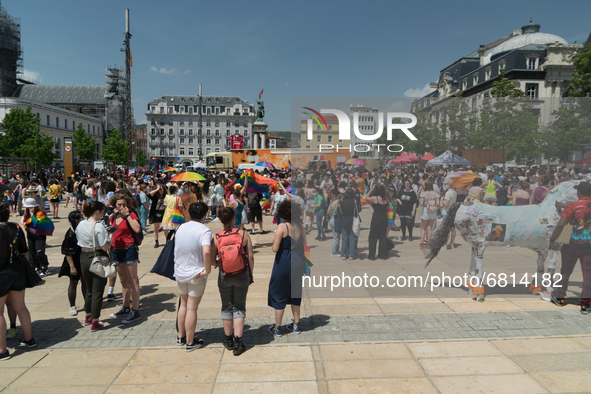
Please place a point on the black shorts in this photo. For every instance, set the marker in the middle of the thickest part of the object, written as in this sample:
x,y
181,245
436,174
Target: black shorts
x,y
12,278
54,200
158,216
255,214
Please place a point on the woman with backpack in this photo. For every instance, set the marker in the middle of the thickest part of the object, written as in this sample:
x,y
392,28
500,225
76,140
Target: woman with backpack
x,y
428,201
232,248
125,227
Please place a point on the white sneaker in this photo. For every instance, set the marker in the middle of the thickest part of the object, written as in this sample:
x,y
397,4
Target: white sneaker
x,y
73,311
216,220
335,255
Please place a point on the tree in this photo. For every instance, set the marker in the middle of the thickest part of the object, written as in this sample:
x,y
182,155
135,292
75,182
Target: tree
x,y
509,120
115,148
140,158
429,137
84,144
580,81
23,138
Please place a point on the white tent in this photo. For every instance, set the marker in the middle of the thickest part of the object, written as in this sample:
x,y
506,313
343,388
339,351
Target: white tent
x,y
448,158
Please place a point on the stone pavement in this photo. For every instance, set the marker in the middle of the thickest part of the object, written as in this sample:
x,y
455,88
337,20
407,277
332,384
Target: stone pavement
x,y
512,342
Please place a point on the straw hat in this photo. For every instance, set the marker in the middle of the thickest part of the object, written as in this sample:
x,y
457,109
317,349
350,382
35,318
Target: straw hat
x,y
31,189
30,203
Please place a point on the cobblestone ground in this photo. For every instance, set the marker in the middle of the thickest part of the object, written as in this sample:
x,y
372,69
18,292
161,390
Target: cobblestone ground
x,y
512,342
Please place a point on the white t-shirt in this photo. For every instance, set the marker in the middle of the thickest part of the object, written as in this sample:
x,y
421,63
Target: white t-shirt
x,y
84,234
188,255
451,196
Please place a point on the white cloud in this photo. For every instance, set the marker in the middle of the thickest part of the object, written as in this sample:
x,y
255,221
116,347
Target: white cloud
x,y
169,71
32,75
418,92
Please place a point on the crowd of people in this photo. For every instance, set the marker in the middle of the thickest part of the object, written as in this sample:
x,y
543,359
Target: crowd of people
x,y
114,209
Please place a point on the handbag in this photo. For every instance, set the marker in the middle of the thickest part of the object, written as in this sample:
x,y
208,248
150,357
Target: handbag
x,y
564,237
101,265
32,279
356,223
165,263
244,216
177,216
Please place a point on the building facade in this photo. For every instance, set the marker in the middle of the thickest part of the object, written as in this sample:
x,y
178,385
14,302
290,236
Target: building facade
x,y
321,136
57,122
140,141
539,64
186,128
368,125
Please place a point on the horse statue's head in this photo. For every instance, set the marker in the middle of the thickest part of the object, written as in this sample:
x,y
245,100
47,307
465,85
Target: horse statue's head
x,y
564,192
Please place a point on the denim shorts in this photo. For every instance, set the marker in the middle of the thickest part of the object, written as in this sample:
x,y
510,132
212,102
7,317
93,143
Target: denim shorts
x,y
124,256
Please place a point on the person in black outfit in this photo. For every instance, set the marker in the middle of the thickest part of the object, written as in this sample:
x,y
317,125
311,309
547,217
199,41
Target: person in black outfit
x,y
379,221
69,190
12,279
71,263
407,204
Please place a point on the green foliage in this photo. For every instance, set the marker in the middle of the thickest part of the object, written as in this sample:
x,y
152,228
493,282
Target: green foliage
x,y
580,82
84,144
140,158
115,148
23,138
429,137
568,131
505,87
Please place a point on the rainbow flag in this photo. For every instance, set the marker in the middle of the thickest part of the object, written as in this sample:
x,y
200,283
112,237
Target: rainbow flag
x,y
391,217
39,224
255,183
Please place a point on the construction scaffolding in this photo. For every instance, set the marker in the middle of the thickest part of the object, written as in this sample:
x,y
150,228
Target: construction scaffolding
x,y
10,52
117,95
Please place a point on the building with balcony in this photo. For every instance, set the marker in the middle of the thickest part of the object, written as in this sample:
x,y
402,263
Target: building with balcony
x,y
184,129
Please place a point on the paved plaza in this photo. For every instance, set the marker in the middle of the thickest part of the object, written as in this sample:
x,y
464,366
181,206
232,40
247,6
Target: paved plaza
x,y
352,341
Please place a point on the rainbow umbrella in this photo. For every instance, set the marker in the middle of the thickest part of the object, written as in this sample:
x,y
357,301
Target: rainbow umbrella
x,y
267,164
187,177
170,169
355,162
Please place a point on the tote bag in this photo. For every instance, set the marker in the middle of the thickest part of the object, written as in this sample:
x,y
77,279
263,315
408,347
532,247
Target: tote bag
x,y
356,223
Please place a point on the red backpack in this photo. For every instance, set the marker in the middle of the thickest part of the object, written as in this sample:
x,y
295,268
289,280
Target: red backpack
x,y
232,257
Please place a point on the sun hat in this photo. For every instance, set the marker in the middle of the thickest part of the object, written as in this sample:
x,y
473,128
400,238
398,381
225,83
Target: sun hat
x,y
448,182
30,203
31,189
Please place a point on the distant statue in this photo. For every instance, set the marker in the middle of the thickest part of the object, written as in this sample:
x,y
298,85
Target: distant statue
x,y
260,111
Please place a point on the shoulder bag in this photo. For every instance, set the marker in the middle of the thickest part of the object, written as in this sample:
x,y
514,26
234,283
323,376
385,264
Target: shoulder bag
x,y
356,222
564,236
32,279
101,265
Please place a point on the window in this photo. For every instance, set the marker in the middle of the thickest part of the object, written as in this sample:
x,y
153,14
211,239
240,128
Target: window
x,y
191,140
246,123
153,139
153,150
487,73
329,138
161,131
182,132
217,133
208,123
198,132
181,141
199,151
308,146
208,141
170,110
48,123
474,80
170,132
464,84
161,110
209,111
190,131
246,143
190,151
182,123
217,141
162,152
153,109
330,127
208,132
207,150
246,133
216,149
502,66
531,90
57,122
217,123
170,122
153,131
318,138
153,122
161,122
191,123
191,109
228,123
236,123
227,133
170,140
171,151
532,62
182,151
199,141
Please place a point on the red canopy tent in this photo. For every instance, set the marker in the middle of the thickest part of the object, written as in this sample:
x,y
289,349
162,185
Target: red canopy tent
x,y
411,158
584,161
398,159
428,157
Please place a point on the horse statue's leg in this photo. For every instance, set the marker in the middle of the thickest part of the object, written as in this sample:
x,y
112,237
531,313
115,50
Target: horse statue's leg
x,y
476,273
551,270
536,285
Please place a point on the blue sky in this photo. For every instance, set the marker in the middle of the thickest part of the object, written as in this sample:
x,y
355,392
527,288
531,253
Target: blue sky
x,y
289,48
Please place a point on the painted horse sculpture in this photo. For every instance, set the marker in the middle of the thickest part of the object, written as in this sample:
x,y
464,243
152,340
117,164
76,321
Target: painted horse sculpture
x,y
528,226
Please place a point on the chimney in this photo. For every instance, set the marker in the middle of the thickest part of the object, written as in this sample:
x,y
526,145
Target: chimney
x,y
481,54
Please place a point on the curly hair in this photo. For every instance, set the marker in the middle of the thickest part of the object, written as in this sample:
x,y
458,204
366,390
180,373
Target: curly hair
x,y
129,200
289,211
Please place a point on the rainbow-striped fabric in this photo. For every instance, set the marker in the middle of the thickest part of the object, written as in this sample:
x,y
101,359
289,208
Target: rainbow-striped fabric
x,y
256,183
391,216
39,224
